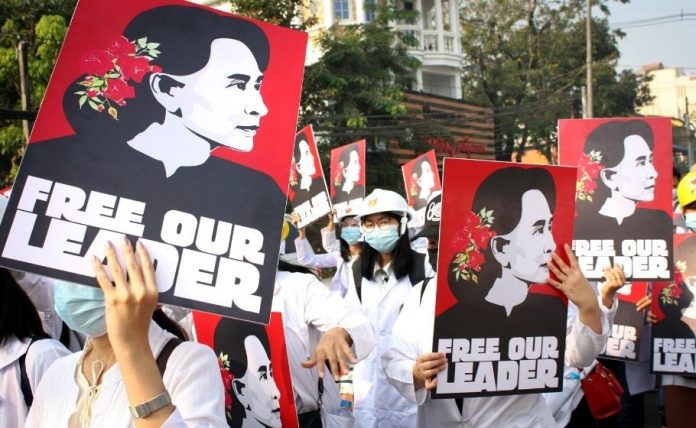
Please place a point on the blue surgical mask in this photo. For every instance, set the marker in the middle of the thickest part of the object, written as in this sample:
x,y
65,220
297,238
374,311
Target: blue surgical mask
x,y
690,220
383,241
351,234
81,307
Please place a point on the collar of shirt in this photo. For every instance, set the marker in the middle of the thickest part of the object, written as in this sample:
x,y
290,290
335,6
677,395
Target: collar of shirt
x,y
381,275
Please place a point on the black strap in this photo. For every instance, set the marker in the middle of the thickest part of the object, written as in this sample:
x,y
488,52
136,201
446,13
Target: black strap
x,y
416,275
65,335
166,352
24,384
425,284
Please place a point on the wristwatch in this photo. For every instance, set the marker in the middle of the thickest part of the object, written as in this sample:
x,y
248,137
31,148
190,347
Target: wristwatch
x,y
151,406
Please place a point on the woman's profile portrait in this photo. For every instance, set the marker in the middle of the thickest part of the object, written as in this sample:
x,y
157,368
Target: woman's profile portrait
x,y
303,182
348,175
252,398
504,247
171,113
424,178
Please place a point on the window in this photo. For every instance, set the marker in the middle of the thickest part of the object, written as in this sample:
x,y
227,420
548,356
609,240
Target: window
x,y
341,9
370,10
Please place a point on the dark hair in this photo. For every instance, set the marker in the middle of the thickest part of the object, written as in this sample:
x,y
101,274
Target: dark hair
x,y
608,139
296,150
418,168
501,192
185,35
345,155
401,261
168,324
18,316
229,339
284,266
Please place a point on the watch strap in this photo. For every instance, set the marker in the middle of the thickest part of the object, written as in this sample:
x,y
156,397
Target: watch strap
x,y
151,406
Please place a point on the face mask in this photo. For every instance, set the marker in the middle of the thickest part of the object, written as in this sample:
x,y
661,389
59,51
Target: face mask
x,y
351,234
81,307
690,220
432,258
383,241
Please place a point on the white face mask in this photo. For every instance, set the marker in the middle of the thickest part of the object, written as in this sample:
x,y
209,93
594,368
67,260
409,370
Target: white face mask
x,y
81,307
383,240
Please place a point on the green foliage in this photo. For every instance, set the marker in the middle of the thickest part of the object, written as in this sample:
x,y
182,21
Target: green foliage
x,y
287,13
527,59
356,89
42,24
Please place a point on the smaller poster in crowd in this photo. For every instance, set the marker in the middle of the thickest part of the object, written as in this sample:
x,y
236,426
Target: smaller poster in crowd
x,y
625,339
674,306
308,195
421,181
623,194
254,367
500,224
348,177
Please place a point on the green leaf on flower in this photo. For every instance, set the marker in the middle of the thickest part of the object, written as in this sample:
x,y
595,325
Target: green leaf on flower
x,y
83,98
94,105
151,46
142,42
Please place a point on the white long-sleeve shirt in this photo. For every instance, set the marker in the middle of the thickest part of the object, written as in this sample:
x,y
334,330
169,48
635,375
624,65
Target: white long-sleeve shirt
x,y
39,357
413,336
310,309
192,379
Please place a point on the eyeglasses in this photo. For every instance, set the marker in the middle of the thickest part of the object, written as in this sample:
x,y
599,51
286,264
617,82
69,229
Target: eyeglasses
x,y
348,223
383,224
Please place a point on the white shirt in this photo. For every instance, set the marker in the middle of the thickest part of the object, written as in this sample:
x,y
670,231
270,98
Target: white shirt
x,y
307,257
192,379
309,309
413,336
39,357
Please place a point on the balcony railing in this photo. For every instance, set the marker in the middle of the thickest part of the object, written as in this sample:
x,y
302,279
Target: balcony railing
x,y
428,40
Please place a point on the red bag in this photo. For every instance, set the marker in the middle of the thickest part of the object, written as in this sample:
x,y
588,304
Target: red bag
x,y
602,392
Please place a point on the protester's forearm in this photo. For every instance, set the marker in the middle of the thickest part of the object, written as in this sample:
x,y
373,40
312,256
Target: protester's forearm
x,y
590,315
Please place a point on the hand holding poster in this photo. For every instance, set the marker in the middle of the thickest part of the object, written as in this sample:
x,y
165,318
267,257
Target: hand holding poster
x,y
308,195
348,177
162,124
674,306
421,181
624,342
500,224
623,194
254,367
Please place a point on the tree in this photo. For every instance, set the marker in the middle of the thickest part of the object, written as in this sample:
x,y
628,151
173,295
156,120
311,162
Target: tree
x,y
526,58
42,24
286,13
356,89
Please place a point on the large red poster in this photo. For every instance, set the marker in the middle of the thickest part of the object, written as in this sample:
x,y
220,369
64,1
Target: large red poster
x,y
500,223
254,367
623,194
172,124
347,182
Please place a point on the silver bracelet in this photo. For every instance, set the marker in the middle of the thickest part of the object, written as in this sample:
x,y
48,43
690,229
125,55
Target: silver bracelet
x,y
151,406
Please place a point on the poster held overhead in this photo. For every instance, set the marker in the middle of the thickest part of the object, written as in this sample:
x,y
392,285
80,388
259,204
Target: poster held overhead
x,y
624,201
347,177
673,348
172,124
421,181
308,196
500,224
253,361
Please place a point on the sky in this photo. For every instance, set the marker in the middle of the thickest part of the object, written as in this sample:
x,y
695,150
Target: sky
x,y
673,44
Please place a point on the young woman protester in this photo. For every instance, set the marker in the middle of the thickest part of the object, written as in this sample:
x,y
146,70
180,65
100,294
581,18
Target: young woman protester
x,y
26,352
349,248
132,372
379,282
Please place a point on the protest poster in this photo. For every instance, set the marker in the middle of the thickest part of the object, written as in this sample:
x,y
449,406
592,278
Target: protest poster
x,y
308,195
347,177
253,362
623,194
500,223
625,339
172,124
421,181
673,336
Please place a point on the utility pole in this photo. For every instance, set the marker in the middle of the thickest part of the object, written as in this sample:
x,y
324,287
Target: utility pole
x,y
588,27
25,91
687,122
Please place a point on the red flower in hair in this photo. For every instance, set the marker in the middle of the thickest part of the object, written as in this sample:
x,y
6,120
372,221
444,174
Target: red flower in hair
x,y
96,62
589,167
469,242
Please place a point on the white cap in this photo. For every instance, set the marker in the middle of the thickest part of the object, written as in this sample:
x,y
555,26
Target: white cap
x,y
380,201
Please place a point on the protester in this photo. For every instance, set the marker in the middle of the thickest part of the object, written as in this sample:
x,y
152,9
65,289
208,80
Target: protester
x,y
379,282
411,367
123,365
320,324
350,246
26,352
